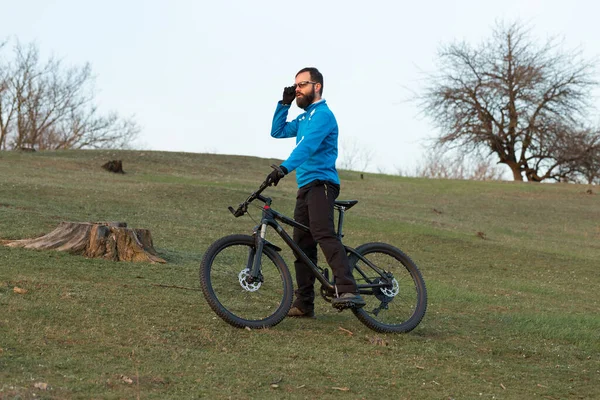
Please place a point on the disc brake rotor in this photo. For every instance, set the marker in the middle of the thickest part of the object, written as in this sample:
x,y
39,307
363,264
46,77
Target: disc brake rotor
x,y
386,294
248,286
393,291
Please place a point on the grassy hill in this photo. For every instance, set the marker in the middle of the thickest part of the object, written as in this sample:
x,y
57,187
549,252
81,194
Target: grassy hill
x,y
512,271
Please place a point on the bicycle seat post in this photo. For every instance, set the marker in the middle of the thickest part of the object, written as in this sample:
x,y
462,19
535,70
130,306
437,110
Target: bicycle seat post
x,y
341,211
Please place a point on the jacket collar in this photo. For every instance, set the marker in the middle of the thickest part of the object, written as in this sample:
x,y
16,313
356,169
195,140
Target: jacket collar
x,y
314,105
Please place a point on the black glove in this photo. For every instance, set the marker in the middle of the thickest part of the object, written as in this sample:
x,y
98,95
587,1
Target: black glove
x,y
289,94
275,175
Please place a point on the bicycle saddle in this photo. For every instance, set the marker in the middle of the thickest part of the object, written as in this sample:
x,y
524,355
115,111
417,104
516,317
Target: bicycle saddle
x,y
345,203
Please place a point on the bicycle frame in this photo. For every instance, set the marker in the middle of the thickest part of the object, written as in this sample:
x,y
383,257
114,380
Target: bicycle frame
x,y
270,218
395,276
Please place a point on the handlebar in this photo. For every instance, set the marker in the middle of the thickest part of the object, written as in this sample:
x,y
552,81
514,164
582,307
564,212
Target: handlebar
x,y
243,207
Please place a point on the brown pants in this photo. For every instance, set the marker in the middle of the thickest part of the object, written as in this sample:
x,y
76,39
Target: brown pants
x,y
314,208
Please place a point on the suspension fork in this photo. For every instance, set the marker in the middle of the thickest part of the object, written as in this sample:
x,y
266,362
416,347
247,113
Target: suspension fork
x,y
259,240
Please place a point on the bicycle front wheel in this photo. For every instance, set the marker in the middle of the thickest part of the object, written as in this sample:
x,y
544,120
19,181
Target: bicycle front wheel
x,y
233,295
399,306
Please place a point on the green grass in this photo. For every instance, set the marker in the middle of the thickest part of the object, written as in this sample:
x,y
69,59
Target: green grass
x,y
511,316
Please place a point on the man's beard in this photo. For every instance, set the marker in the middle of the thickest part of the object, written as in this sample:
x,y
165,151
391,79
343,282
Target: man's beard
x,y
306,100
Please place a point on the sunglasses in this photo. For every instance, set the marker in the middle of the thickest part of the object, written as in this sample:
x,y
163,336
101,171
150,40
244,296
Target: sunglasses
x,y
303,84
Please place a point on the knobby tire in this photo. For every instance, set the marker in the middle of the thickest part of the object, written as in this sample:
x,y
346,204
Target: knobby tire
x,y
407,308
219,278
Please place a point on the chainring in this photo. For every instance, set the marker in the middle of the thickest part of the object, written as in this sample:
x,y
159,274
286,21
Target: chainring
x,y
327,295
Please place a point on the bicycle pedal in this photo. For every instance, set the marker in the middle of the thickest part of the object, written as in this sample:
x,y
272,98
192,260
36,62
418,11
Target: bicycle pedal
x,y
343,306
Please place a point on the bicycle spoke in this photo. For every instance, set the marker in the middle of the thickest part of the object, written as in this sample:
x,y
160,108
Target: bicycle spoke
x,y
399,304
234,295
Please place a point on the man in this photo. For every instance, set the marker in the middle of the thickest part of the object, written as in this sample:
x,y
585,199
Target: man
x,y
313,158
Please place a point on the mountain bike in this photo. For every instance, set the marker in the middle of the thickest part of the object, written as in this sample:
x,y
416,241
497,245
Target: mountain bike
x,y
247,283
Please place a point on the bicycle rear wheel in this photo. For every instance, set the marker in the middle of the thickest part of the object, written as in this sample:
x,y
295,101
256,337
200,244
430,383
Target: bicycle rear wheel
x,y
397,307
224,276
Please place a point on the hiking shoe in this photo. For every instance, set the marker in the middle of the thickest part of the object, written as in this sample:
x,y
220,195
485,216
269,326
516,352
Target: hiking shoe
x,y
298,313
348,300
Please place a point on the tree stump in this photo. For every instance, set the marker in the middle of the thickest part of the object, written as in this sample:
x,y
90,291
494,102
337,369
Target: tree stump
x,y
108,240
115,166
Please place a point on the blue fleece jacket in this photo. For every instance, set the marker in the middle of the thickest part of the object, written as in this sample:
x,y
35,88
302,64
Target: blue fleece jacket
x,y
316,133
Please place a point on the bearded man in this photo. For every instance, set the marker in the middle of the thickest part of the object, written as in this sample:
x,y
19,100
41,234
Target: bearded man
x,y
313,158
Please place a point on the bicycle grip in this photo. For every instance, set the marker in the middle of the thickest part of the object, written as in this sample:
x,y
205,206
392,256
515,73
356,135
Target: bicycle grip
x,y
239,212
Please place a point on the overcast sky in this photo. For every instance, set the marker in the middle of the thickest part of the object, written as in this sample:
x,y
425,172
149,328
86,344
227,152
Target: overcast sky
x,y
205,76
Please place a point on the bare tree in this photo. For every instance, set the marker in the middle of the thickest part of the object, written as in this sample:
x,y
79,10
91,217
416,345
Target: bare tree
x,y
521,102
354,155
6,101
581,155
44,105
440,164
